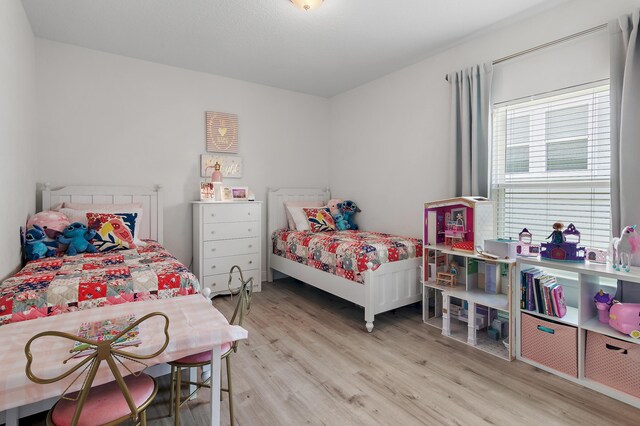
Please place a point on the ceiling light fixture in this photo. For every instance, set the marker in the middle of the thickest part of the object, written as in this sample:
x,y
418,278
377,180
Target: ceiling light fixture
x,y
307,4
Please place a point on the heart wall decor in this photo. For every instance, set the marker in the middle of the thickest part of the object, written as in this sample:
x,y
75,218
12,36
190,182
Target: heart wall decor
x,y
221,130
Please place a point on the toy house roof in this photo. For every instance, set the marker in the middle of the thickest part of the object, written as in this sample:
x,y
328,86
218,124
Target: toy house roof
x,y
467,201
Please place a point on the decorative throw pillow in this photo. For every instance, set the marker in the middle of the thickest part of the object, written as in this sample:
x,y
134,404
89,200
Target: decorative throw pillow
x,y
319,219
114,231
77,212
295,215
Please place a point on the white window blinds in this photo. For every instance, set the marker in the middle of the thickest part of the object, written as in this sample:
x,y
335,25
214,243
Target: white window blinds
x,y
551,163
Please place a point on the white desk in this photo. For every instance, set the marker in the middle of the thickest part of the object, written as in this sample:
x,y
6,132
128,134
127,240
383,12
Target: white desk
x,y
194,326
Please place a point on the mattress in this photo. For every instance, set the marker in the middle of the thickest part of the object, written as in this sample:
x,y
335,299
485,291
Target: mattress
x,y
344,253
54,286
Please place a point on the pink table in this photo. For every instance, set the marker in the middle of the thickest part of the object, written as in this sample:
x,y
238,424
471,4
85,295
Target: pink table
x,y
194,326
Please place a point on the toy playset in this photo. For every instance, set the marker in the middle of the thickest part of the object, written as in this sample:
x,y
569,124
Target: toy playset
x,y
450,277
559,248
525,246
603,303
625,317
460,223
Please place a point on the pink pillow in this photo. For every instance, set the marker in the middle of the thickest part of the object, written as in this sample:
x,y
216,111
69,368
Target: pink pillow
x,y
297,206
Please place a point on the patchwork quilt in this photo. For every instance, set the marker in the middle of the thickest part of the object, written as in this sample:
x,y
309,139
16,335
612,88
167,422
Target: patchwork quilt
x,y
57,285
344,253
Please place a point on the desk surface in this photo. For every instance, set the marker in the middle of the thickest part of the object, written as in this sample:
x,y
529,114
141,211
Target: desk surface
x,y
194,326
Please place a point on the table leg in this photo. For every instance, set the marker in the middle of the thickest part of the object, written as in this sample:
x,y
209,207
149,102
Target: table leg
x,y
215,386
11,416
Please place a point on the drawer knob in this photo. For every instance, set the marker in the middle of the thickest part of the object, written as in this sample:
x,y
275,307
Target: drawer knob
x,y
213,266
214,284
250,245
213,249
213,232
250,262
249,213
213,215
249,229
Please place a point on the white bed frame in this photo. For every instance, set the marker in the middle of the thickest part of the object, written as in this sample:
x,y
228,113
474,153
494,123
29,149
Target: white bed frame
x,y
150,198
391,286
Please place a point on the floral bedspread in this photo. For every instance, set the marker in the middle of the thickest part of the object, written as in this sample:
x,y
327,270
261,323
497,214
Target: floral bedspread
x,y
57,285
344,253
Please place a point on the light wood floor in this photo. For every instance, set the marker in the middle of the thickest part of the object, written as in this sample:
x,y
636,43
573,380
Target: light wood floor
x,y
309,360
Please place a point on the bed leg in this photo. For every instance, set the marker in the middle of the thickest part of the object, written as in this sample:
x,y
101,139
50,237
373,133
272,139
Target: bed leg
x,y
369,326
269,275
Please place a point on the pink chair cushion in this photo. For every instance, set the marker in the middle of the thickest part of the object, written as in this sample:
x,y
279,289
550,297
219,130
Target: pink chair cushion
x,y
105,403
203,356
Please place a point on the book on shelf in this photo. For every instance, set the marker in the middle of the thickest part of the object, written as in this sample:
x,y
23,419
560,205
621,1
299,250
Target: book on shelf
x,y
540,292
100,331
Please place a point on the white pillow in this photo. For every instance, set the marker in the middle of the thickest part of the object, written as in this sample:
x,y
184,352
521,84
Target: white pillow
x,y
297,214
81,216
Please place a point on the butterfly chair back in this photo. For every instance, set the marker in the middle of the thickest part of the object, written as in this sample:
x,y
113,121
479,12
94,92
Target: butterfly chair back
x,y
99,351
244,293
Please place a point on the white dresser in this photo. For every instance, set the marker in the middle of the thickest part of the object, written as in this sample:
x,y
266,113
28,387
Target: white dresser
x,y
227,234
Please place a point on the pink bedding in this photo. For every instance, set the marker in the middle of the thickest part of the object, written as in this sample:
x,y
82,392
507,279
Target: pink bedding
x,y
344,253
53,286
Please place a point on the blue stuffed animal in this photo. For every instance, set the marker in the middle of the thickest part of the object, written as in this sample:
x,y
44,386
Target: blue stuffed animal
x,y
341,224
34,245
77,236
348,208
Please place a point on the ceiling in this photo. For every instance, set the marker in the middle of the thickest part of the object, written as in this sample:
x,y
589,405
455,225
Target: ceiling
x,y
325,51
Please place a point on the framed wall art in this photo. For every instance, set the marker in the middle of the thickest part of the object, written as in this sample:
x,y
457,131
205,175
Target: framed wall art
x,y
221,131
230,165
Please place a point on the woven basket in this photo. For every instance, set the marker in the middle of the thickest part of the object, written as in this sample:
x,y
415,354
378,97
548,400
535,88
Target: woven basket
x,y
612,362
550,344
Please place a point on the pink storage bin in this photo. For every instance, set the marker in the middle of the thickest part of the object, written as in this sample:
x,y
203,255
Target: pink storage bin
x,y
611,362
550,344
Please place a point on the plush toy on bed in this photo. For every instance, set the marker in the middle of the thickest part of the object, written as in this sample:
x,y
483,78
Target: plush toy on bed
x,y
78,236
333,207
35,246
348,208
341,223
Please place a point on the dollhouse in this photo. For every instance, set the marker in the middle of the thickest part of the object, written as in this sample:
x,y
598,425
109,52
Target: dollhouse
x,y
460,223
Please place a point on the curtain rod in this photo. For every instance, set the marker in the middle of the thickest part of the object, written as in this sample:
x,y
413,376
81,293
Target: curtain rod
x,y
548,44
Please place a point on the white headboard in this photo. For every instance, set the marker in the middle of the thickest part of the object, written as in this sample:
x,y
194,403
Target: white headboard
x,y
151,199
276,197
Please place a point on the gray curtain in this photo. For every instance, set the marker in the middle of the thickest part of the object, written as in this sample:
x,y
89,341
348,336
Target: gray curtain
x,y
625,121
625,133
470,114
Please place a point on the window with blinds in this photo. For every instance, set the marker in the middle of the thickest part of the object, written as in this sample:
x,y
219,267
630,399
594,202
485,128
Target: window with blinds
x,y
551,163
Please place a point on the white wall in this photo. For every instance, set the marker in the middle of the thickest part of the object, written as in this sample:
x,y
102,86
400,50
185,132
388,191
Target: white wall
x,y
108,119
17,130
393,133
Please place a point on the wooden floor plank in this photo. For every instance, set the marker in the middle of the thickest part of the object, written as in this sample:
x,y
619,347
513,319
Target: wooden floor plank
x,y
309,360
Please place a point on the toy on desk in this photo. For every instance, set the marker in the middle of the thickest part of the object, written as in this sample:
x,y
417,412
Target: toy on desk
x,y
560,248
623,248
525,246
603,304
624,318
450,277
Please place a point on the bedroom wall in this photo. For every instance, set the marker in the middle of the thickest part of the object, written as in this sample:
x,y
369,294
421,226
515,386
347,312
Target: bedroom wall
x,y
17,130
108,119
393,133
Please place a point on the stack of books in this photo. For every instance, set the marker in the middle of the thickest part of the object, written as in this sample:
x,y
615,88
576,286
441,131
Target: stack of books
x,y
541,293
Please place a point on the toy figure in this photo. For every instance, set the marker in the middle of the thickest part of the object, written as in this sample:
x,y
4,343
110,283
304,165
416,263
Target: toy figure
x,y
603,304
623,248
51,222
78,236
557,237
35,246
348,208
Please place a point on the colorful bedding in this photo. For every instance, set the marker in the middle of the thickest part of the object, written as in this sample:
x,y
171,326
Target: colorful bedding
x,y
344,253
54,286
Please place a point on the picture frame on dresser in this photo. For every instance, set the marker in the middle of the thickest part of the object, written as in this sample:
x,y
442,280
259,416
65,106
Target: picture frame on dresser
x,y
227,234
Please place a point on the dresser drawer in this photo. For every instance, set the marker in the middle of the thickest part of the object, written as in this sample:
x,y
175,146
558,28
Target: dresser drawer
x,y
230,247
219,283
218,265
244,212
225,231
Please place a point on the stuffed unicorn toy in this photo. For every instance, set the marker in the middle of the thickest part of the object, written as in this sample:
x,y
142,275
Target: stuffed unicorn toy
x,y
623,248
